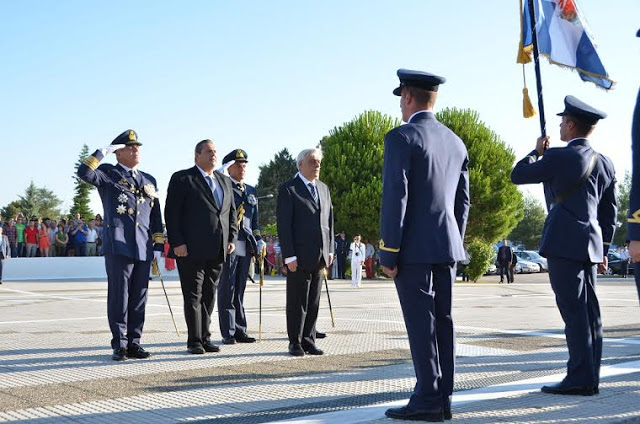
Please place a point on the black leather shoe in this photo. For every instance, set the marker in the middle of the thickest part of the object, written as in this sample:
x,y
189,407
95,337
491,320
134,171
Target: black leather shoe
x,y
562,389
245,339
210,347
195,350
229,340
137,351
405,413
119,354
320,335
313,350
296,350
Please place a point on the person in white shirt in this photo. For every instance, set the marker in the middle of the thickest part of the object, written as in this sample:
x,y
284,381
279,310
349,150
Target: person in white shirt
x,y
357,259
92,237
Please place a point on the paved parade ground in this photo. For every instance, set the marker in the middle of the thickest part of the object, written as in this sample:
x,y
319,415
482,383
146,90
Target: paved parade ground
x,y
55,362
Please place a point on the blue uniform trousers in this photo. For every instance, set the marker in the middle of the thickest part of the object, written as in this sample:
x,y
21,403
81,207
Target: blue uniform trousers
x,y
233,282
425,292
573,283
128,283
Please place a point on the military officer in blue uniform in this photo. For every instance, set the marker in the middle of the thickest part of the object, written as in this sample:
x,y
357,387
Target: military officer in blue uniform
x,y
233,281
132,237
425,205
579,186
633,220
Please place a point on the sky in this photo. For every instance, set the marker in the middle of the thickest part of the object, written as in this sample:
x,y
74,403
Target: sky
x,y
262,76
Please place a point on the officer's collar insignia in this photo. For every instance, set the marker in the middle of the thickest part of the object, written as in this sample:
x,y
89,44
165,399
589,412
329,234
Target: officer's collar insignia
x,y
252,200
150,191
132,135
239,154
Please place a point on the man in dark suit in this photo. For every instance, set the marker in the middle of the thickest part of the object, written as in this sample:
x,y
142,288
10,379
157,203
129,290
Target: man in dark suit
x,y
425,196
579,186
342,250
505,255
633,220
233,281
201,226
305,229
132,237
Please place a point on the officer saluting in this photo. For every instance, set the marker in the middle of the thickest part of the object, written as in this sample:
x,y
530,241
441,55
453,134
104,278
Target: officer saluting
x,y
579,186
131,238
233,281
425,197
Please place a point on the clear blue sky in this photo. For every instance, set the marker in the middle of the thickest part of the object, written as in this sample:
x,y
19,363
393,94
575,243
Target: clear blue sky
x,y
266,75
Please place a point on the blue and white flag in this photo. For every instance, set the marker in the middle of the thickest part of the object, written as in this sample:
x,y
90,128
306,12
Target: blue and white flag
x,y
564,38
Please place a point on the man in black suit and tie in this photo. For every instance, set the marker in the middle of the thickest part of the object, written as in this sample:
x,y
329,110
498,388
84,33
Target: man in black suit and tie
x,y
200,214
305,230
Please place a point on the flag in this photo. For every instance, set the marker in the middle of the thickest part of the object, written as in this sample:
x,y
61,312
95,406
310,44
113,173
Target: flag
x,y
564,38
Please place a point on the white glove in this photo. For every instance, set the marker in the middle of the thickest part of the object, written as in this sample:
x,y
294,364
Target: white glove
x,y
261,246
157,255
111,148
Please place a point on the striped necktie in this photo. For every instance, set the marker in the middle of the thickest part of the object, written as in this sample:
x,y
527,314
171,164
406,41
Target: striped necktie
x,y
314,193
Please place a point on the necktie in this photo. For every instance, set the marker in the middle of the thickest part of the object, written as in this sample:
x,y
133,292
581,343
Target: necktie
x,y
314,193
134,175
214,190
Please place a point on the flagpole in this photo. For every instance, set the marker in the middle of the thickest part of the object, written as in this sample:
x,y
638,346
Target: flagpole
x,y
536,59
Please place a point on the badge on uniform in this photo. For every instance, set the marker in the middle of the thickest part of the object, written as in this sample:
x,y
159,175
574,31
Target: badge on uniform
x,y
122,198
252,200
130,211
150,191
121,209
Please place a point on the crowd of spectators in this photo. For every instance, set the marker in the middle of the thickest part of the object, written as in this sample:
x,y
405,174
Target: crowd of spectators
x,y
44,237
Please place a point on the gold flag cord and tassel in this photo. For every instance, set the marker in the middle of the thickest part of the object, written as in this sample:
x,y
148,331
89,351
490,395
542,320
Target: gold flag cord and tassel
x,y
524,57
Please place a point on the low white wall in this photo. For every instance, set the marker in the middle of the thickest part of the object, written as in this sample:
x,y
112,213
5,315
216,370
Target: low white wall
x,y
73,268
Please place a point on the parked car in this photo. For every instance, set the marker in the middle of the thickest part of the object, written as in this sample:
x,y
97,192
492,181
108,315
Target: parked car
x,y
614,264
526,267
493,269
533,256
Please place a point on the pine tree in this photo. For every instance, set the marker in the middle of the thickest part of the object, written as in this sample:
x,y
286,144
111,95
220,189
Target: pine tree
x,y
280,169
82,189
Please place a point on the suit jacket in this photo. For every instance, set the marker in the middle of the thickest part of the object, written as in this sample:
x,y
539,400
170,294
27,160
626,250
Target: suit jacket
x,y
305,229
633,219
425,194
6,249
580,227
193,218
505,254
132,218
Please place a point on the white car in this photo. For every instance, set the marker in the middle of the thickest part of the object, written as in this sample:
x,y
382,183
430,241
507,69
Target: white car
x,y
533,256
526,267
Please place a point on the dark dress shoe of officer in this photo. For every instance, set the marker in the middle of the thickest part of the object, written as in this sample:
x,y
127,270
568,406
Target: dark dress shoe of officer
x,y
245,339
296,350
195,350
229,340
406,413
564,389
320,335
210,347
312,350
137,351
119,354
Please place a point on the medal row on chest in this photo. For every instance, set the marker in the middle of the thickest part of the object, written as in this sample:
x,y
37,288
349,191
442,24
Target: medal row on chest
x,y
139,194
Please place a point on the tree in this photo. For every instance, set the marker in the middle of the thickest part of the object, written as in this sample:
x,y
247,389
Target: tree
x,y
622,198
280,169
352,168
496,203
36,201
82,189
529,229
481,254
